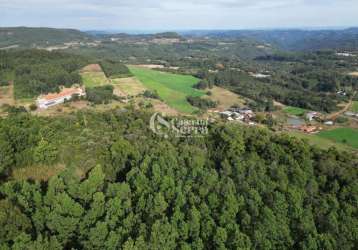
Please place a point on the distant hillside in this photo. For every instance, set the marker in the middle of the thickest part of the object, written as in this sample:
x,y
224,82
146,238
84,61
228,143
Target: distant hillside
x,y
295,40
32,37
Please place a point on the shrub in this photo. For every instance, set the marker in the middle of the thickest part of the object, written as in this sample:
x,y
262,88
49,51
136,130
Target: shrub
x,y
33,107
201,102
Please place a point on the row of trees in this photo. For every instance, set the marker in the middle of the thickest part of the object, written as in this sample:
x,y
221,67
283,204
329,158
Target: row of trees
x,y
236,188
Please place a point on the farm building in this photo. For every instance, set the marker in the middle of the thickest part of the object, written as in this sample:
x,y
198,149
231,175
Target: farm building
x,y
52,99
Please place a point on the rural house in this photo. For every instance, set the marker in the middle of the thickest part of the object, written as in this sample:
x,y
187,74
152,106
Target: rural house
x,y
51,99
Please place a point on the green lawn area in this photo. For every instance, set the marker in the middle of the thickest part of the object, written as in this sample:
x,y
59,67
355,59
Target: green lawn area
x,y
347,136
355,107
294,110
172,88
93,79
321,142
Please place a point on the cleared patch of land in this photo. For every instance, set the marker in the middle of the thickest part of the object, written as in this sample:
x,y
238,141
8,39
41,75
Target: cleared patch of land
x,y
93,79
92,68
7,95
37,173
163,108
129,86
93,75
149,66
347,136
320,142
353,73
173,89
225,98
294,110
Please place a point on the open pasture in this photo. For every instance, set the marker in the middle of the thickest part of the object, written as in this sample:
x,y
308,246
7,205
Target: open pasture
x,y
294,110
173,89
320,141
347,136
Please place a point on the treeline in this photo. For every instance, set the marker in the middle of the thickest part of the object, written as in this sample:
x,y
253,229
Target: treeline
x,y
100,94
37,72
115,69
201,103
266,90
236,188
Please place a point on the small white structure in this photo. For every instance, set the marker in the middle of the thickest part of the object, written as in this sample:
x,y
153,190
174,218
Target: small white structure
x,y
226,114
52,99
259,75
349,113
311,115
346,54
238,116
329,123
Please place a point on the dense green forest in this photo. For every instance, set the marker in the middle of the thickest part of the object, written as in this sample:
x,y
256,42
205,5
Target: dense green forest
x,y
236,188
292,39
37,71
32,37
306,80
115,69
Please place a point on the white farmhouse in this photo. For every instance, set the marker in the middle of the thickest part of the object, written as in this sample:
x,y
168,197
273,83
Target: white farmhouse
x,y
52,99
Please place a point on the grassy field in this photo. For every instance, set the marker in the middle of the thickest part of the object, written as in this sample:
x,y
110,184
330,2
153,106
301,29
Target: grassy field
x,y
93,79
320,141
93,75
130,86
172,88
355,107
225,98
347,136
37,173
294,110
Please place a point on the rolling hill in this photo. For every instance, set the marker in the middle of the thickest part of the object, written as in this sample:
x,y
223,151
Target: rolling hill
x,y
32,37
293,39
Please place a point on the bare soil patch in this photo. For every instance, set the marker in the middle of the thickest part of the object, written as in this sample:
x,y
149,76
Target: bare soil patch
x,y
92,68
7,95
130,86
150,66
225,98
163,108
37,173
354,73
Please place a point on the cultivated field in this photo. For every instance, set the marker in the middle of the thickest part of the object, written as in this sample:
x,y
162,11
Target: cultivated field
x,y
173,89
347,136
129,86
93,75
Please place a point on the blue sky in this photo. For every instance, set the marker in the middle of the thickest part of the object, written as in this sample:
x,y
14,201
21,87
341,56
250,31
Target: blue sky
x,y
178,14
